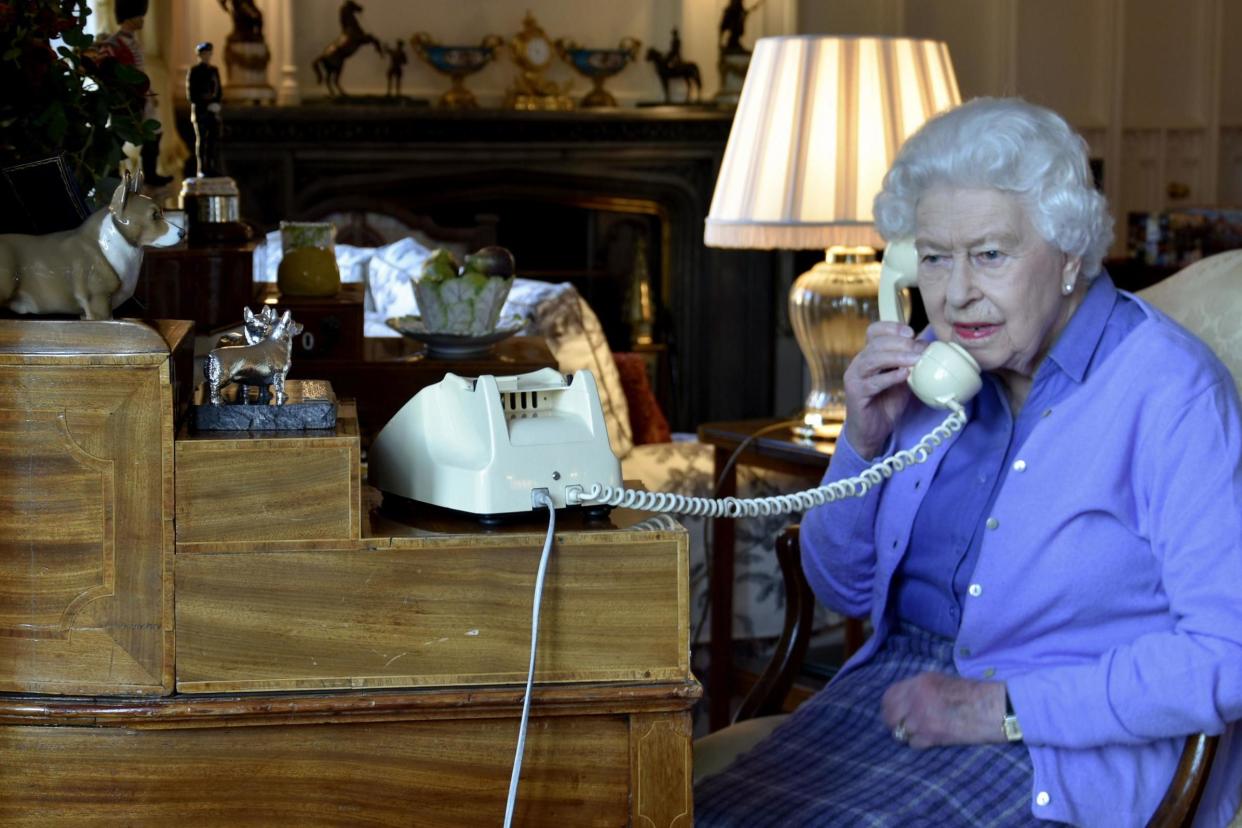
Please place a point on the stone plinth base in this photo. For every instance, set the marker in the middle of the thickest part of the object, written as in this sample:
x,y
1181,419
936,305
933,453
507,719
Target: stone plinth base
x,y
310,405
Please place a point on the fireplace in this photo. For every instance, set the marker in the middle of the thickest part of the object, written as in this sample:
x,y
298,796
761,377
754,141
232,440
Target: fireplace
x,y
594,198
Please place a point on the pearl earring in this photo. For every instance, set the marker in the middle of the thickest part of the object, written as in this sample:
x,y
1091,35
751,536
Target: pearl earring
x,y
1067,289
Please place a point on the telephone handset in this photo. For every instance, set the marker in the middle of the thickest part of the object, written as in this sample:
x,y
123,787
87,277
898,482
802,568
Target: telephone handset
x,y
946,376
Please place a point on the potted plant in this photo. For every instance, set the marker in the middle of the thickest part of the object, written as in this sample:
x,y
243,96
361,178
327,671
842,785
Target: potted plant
x,y
62,95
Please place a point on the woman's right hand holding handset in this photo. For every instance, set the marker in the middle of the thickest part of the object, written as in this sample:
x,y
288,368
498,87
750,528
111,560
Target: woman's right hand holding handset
x,y
875,385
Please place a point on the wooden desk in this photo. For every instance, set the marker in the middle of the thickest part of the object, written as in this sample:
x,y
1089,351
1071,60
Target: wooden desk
x,y
391,672
779,450
229,632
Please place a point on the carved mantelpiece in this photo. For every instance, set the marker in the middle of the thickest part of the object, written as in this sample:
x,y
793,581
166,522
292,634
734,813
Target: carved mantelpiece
x,y
660,164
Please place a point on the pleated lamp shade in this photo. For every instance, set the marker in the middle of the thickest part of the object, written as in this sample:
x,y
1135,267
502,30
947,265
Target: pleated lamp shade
x,y
819,121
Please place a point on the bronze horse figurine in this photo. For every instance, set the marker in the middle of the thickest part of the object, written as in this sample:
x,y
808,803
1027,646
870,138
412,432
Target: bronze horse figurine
x,y
681,70
328,65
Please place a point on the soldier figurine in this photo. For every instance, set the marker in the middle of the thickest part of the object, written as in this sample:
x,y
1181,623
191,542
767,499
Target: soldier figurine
x,y
672,58
396,63
732,26
126,46
204,91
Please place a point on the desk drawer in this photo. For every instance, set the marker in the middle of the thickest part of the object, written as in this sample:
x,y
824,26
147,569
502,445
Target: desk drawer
x,y
601,755
418,612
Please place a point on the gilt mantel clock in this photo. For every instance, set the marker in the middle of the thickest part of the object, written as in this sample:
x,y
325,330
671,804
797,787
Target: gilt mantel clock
x,y
532,51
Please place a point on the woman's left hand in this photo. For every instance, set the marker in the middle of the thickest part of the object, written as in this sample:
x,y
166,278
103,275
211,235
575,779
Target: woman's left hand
x,y
936,709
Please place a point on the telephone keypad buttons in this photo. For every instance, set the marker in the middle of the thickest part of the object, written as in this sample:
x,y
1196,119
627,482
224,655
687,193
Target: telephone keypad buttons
x,y
992,523
1019,465
975,590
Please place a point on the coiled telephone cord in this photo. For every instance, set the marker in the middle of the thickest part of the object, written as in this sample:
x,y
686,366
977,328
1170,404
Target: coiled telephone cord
x,y
736,507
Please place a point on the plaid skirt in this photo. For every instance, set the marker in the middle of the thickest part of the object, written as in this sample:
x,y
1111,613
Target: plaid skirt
x,y
835,763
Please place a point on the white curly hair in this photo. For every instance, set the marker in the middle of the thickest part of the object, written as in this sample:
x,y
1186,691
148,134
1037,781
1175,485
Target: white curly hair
x,y
1010,145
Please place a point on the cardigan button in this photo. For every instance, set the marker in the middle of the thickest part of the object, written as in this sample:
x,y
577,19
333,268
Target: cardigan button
x,y
1042,798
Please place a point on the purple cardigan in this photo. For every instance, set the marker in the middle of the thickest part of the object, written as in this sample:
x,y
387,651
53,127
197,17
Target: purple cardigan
x,y
1110,582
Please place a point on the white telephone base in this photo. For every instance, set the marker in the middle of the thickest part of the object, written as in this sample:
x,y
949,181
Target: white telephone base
x,y
485,445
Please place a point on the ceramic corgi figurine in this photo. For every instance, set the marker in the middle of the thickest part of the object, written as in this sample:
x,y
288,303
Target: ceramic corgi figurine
x,y
89,271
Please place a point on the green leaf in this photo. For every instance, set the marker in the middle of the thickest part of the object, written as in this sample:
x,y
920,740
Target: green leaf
x,y
125,130
77,38
57,123
130,75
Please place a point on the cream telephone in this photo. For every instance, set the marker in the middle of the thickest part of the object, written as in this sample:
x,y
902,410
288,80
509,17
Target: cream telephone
x,y
487,445
947,375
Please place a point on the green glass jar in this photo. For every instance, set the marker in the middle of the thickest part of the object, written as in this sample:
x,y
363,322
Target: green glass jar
x,y
308,264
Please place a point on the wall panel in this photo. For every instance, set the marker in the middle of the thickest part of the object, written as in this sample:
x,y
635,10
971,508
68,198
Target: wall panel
x,y
1231,67
1163,77
1064,58
977,34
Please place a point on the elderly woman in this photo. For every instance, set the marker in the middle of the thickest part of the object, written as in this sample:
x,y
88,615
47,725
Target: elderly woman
x,y
1055,592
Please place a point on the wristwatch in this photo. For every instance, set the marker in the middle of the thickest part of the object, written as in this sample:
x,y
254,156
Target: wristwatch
x,y
1009,724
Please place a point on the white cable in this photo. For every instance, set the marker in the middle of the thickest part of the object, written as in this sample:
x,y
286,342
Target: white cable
x,y
734,507
541,498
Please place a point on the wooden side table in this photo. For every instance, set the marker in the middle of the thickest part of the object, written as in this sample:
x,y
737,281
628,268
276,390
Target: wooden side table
x,y
778,450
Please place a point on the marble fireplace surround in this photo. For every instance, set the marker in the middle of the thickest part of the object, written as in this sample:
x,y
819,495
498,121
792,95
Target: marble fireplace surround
x,y
720,306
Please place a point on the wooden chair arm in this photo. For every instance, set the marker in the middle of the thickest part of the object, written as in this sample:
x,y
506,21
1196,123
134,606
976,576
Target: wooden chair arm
x,y
1181,800
769,692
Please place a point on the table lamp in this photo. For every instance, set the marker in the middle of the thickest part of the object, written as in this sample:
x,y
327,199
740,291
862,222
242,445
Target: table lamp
x,y
819,121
